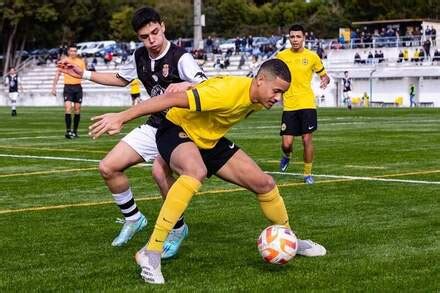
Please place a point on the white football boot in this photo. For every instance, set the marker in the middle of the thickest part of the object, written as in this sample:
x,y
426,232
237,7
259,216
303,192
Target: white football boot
x,y
310,248
150,264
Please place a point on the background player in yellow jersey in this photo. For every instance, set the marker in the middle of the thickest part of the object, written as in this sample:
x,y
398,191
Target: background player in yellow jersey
x,y
72,93
191,140
135,91
299,113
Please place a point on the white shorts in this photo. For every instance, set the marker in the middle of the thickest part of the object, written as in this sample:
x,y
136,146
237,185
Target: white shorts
x,y
13,96
143,140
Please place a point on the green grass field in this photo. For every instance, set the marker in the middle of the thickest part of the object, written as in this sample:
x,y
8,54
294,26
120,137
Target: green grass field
x,y
375,206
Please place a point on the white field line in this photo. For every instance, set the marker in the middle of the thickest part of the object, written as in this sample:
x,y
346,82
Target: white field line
x,y
29,137
57,158
365,167
278,173
217,191
61,135
361,178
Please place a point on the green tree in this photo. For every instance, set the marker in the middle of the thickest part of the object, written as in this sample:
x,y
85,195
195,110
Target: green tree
x,y
178,17
120,24
19,21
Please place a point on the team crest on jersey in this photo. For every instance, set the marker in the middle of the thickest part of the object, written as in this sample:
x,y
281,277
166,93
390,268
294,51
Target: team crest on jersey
x,y
157,90
165,70
283,126
183,135
305,61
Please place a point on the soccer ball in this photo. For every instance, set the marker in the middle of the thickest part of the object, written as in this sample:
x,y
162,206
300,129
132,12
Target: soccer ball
x,y
277,244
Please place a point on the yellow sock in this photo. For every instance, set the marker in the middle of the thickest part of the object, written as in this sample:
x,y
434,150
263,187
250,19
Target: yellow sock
x,y
177,200
307,169
273,208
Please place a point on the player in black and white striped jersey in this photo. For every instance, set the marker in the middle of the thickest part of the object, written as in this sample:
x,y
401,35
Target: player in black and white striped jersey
x,y
13,83
161,67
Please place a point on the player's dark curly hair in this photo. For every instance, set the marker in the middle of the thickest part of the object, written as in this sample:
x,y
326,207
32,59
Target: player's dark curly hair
x,y
276,67
144,16
297,28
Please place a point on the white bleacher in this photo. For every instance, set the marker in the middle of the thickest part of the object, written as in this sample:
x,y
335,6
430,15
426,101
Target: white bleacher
x,y
37,85
389,81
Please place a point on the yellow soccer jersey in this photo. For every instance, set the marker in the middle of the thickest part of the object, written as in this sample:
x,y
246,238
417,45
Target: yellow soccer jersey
x,y
215,105
302,65
135,86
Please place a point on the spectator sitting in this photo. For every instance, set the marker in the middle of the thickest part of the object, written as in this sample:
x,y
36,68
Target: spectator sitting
x,y
376,57
242,61
370,58
381,57
253,67
218,65
416,56
229,52
421,56
436,57
400,57
226,63
357,59
405,55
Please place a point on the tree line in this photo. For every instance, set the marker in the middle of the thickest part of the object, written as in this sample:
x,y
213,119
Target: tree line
x,y
28,24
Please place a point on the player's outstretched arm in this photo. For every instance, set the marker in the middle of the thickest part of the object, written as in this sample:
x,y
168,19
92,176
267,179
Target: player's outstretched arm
x,y
325,80
105,78
112,123
179,87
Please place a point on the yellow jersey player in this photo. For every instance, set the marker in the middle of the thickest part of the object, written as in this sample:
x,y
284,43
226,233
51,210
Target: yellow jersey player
x,y
191,141
299,113
135,91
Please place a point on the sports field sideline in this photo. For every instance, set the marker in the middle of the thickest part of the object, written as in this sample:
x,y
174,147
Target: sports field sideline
x,y
375,206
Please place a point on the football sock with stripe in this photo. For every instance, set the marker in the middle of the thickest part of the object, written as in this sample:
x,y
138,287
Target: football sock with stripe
x,y
127,205
177,200
287,156
179,223
273,208
307,169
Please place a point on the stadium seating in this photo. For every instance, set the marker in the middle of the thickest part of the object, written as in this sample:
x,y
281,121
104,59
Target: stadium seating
x,y
390,79
37,85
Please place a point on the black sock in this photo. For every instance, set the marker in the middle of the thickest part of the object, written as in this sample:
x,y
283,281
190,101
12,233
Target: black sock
x,y
76,119
179,223
68,120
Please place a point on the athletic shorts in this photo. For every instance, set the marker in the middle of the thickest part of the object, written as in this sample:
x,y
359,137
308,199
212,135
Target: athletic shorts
x,y
13,96
299,122
73,93
169,136
135,96
143,140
